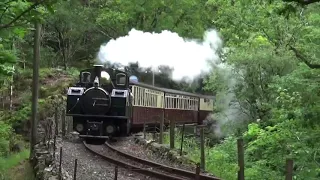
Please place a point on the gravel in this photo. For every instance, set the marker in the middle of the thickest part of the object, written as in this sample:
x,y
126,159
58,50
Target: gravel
x,y
90,167
107,152
130,147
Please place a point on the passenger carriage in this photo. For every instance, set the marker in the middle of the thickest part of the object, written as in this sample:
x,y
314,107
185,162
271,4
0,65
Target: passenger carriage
x,y
151,103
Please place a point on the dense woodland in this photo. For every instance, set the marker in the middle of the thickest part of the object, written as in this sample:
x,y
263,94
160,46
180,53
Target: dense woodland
x,y
267,90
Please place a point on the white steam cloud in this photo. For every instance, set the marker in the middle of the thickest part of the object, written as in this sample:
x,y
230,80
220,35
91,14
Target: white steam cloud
x,y
188,57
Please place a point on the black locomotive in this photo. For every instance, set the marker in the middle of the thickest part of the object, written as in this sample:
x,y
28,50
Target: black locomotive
x,y
100,103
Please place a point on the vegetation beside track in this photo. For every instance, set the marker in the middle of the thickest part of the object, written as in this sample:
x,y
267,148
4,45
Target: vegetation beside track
x,y
15,123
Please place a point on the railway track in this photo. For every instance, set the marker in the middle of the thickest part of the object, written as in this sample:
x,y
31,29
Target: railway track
x,y
142,166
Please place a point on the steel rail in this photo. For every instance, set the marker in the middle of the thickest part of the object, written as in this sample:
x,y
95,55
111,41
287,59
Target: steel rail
x,y
132,167
163,167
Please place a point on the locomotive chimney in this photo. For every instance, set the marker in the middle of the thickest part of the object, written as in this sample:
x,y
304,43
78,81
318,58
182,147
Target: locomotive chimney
x,y
97,71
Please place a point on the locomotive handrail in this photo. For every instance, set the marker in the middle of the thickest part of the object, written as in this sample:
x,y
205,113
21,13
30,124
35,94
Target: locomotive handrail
x,y
105,99
74,106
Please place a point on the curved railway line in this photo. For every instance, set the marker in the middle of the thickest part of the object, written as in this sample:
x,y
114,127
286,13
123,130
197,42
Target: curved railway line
x,y
143,166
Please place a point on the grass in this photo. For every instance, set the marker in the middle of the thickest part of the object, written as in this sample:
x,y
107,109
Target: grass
x,y
216,161
16,167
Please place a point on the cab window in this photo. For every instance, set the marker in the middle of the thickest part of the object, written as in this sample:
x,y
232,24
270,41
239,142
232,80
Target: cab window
x,y
85,77
121,79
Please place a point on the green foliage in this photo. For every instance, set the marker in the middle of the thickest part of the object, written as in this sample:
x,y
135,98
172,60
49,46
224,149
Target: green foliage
x,y
15,18
12,161
5,133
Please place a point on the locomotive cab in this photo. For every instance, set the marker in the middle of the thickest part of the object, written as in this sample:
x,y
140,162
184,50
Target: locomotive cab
x,y
99,103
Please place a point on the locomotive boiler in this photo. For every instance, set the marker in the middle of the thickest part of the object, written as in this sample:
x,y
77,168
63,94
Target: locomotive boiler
x,y
100,103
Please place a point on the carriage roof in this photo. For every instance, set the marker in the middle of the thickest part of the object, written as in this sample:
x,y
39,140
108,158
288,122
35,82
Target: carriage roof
x,y
173,91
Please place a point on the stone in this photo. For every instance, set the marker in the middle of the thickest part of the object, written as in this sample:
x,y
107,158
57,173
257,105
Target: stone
x,y
53,178
48,169
48,159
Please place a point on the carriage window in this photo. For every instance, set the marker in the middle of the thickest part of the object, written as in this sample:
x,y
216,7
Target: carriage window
x,y
121,79
85,77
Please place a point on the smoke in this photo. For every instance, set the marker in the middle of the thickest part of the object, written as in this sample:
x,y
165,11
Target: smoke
x,y
230,115
188,57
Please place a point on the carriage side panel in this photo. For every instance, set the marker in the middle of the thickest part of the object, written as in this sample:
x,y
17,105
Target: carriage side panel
x,y
147,106
206,107
181,108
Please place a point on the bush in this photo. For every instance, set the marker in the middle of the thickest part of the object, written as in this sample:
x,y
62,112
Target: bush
x,y
5,133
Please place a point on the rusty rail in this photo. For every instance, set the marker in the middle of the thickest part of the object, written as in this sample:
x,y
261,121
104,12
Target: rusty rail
x,y
134,168
163,167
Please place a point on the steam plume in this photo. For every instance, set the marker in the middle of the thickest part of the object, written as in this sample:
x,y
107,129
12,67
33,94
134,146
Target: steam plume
x,y
187,57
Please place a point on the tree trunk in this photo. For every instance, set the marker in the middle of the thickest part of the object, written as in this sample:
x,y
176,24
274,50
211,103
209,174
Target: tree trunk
x,y
11,94
35,88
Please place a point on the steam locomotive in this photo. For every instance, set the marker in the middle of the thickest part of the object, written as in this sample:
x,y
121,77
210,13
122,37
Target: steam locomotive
x,y
105,103
99,103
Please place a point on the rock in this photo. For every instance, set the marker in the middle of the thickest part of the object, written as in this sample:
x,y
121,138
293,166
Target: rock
x,y
48,169
164,151
53,178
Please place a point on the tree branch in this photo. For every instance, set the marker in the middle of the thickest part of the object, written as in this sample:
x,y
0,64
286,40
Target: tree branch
x,y
303,2
304,59
4,26
4,11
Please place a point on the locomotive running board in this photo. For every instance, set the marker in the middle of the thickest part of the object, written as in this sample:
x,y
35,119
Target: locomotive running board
x,y
101,116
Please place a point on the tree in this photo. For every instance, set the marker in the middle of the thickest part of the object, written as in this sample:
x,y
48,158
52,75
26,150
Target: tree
x,y
35,88
186,17
303,2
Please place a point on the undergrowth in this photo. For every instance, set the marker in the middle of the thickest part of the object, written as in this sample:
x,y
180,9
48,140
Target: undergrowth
x,y
8,163
52,82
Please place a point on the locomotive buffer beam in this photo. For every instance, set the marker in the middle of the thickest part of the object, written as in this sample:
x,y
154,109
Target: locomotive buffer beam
x,y
94,130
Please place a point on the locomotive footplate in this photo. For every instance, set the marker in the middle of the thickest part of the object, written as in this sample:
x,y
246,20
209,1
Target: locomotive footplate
x,y
95,137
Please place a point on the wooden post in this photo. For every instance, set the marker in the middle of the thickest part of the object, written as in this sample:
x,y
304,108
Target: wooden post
x,y
63,123
35,88
240,159
75,169
144,129
172,123
11,92
202,157
161,128
54,145
144,125
56,120
60,164
198,172
289,169
182,136
115,172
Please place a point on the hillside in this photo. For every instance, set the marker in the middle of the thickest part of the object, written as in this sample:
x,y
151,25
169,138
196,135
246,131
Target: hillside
x,y
15,124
